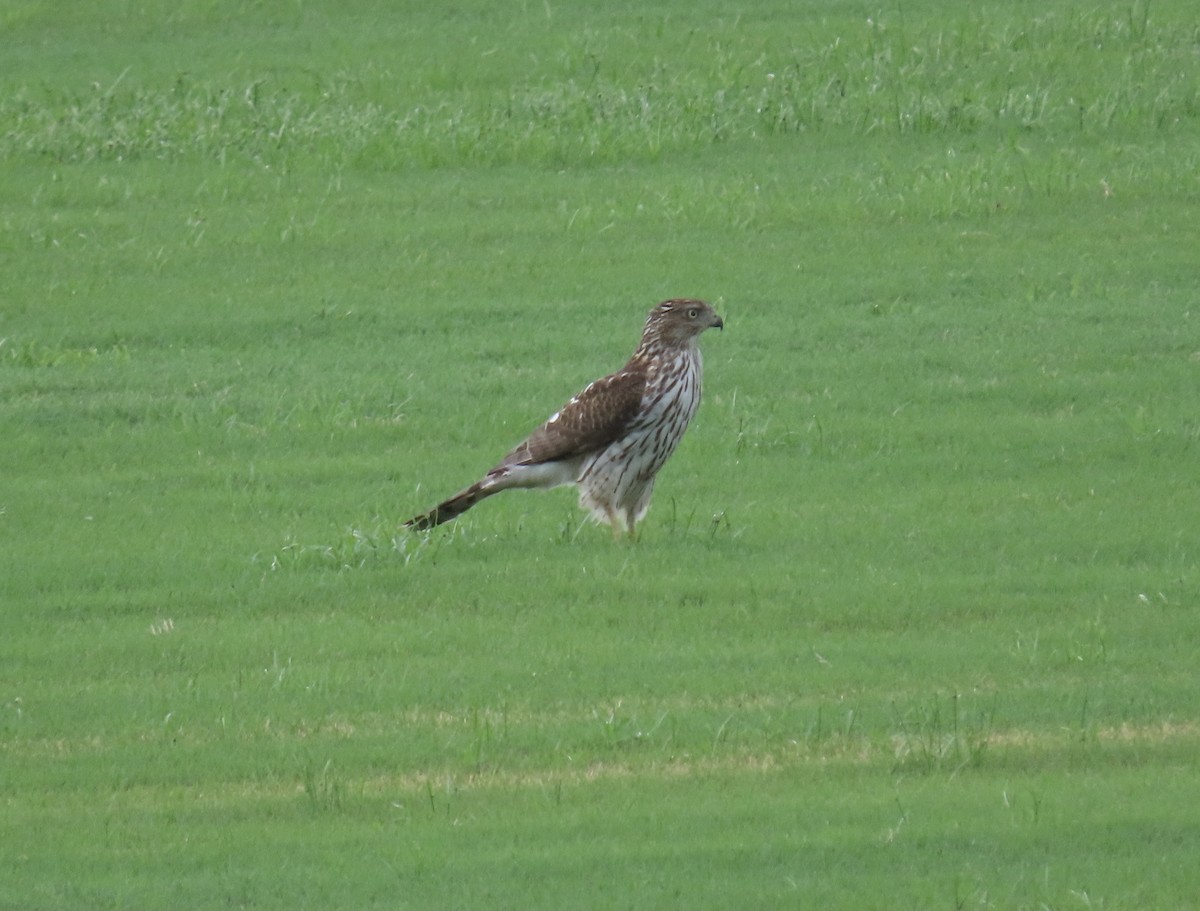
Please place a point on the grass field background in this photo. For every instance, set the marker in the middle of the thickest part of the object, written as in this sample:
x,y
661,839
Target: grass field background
x,y
912,622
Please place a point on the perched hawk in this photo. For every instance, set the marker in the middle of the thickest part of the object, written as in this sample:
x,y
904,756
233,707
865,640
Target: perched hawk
x,y
611,439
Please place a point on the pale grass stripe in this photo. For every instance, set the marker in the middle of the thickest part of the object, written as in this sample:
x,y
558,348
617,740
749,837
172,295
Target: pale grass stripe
x,y
832,752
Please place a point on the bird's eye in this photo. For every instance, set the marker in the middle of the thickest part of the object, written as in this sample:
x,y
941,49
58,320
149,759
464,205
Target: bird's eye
x,y
693,312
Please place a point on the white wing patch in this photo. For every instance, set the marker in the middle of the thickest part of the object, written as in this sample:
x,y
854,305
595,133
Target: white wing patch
x,y
574,401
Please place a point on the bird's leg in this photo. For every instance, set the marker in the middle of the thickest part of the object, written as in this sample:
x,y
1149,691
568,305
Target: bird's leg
x,y
614,522
622,524
631,532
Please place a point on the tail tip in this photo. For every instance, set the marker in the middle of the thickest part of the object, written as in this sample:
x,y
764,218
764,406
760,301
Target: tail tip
x,y
431,519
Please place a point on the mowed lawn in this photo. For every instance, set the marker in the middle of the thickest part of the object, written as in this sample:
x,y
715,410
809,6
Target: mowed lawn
x,y
913,619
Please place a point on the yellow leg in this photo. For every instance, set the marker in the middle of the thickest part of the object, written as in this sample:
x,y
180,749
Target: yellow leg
x,y
614,522
630,526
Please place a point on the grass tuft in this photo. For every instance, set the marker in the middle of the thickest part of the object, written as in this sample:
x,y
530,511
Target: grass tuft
x,y
933,736
357,547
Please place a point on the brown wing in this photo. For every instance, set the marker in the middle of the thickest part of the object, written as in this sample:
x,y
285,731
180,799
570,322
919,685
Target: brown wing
x,y
589,422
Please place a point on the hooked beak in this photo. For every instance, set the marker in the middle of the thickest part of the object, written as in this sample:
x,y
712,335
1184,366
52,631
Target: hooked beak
x,y
718,323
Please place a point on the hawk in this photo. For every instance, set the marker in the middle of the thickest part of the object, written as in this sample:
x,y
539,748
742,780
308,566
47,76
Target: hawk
x,y
611,439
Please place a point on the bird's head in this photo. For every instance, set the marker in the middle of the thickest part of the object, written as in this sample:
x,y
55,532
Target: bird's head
x,y
677,322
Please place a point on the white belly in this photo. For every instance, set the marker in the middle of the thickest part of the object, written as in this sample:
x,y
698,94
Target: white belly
x,y
616,484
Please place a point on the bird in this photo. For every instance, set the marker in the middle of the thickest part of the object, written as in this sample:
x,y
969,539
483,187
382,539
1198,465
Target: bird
x,y
611,438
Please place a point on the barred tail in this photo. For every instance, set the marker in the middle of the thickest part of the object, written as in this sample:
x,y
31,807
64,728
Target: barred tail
x,y
455,506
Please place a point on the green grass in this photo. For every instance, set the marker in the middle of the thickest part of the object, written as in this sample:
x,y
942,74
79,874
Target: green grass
x,y
912,621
